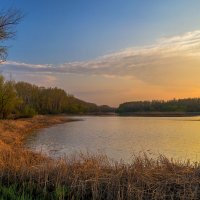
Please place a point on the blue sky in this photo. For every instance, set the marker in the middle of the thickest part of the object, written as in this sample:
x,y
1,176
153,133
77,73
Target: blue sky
x,y
71,34
70,30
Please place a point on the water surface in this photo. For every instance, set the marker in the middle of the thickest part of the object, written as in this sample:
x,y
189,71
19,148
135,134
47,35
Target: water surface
x,y
121,137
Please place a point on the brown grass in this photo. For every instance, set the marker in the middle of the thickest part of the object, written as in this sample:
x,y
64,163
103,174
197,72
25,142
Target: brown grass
x,y
92,176
13,132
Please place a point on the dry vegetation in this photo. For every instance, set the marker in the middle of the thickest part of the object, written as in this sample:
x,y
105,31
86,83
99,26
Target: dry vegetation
x,y
27,175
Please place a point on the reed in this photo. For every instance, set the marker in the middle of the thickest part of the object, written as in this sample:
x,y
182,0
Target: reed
x,y
97,177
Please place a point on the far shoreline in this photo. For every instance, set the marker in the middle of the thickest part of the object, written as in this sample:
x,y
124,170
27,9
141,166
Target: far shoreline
x,y
138,114
159,114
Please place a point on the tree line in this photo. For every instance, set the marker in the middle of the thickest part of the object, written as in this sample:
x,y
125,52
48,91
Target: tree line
x,y
175,105
21,99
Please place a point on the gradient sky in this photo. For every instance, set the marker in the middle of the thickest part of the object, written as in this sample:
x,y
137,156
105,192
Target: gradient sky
x,y
108,51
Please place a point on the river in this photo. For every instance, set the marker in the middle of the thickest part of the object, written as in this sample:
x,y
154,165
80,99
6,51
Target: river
x,y
122,137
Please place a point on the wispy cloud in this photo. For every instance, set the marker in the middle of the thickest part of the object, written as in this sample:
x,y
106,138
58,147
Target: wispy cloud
x,y
141,63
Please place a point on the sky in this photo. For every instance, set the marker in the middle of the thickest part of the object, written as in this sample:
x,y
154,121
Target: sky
x,y
108,52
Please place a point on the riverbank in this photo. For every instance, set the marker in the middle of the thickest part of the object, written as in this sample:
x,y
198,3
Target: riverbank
x,y
29,175
13,132
16,160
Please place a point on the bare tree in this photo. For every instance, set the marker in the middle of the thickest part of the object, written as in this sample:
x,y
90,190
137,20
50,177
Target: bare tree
x,y
8,21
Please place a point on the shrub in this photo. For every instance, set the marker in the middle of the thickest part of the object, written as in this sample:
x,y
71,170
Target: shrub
x,y
28,112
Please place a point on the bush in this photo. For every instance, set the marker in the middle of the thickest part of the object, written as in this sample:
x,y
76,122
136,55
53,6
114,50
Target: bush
x,y
28,112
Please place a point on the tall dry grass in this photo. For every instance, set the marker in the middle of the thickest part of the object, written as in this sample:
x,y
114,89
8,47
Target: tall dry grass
x,y
97,177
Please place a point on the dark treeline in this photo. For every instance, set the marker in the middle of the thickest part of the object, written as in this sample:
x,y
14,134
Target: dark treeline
x,y
25,100
175,105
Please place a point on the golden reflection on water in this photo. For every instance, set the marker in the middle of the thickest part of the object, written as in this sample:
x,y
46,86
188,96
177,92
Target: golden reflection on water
x,y
121,137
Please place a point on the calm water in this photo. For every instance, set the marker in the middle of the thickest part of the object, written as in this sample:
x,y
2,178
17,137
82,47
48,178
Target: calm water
x,y
121,137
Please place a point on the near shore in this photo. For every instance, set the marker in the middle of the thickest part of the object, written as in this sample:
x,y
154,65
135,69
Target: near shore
x,y
13,132
28,175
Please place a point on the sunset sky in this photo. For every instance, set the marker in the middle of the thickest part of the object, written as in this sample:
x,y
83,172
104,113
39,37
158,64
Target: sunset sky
x,y
108,51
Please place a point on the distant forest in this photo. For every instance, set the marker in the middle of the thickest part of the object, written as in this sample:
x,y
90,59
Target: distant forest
x,y
21,99
175,105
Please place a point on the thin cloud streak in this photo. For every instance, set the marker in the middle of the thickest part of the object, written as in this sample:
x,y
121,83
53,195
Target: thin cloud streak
x,y
126,62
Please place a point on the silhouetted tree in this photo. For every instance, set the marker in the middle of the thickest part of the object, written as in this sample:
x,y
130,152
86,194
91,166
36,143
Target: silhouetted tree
x,y
8,21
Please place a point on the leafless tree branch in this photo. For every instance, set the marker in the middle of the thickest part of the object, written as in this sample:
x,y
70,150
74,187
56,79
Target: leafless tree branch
x,y
8,22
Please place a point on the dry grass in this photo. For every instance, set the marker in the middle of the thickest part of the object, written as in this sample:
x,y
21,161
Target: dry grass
x,y
13,132
95,176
